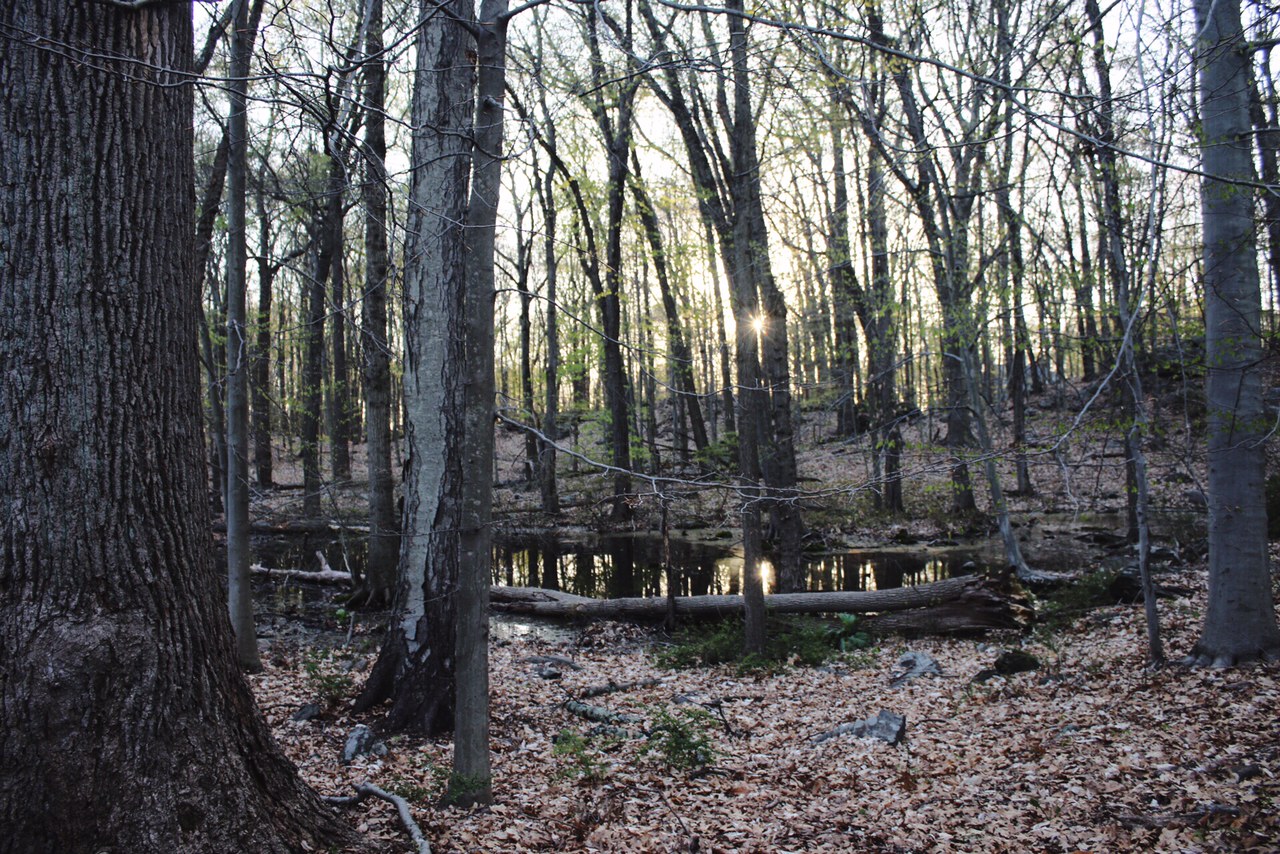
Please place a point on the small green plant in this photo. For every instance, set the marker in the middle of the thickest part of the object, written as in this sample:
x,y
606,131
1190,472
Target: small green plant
x,y
1061,606
414,793
703,645
803,641
846,635
325,681
465,789
580,762
719,455
682,738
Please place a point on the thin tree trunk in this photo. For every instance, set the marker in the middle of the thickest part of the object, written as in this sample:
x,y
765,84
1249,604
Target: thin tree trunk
x,y
239,588
471,780
416,667
681,357
339,416
551,378
384,535
261,385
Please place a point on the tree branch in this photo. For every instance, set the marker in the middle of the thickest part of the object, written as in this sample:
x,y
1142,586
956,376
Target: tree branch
x,y
366,790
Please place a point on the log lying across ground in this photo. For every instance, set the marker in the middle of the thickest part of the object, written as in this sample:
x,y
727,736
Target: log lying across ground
x,y
970,603
967,603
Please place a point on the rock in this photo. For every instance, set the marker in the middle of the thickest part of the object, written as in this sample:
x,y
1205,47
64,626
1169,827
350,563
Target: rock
x,y
552,661
1016,661
310,711
886,726
1246,772
549,673
914,664
362,742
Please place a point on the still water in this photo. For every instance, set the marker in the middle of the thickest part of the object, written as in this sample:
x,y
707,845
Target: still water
x,y
615,566
632,565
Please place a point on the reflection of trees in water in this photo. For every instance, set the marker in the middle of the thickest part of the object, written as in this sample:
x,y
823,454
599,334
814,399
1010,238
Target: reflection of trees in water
x,y
632,566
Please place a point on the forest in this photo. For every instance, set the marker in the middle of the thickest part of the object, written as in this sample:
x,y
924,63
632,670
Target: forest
x,y
639,425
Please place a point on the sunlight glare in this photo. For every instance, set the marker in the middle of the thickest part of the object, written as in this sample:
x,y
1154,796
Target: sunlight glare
x,y
766,576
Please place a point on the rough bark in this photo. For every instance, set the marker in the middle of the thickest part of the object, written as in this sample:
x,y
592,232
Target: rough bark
x,y
1240,623
384,535
127,726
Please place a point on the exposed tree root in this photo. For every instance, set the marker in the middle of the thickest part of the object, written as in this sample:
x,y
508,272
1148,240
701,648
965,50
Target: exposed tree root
x,y
366,790
1201,657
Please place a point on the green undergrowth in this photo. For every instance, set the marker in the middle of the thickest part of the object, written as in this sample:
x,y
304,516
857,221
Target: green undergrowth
x,y
799,641
1061,606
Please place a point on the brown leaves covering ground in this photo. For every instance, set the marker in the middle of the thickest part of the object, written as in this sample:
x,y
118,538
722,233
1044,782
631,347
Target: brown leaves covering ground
x,y
1090,753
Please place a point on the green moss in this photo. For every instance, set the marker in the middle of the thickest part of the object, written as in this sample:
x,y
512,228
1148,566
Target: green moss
x,y
803,641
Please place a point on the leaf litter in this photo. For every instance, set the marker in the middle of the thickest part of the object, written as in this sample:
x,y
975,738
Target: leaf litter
x,y
1091,752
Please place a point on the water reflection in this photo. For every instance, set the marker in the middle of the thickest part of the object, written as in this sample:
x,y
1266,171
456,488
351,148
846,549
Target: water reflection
x,y
618,566
615,566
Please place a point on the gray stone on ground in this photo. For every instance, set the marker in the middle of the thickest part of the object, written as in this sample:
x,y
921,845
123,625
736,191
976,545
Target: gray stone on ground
x,y
914,665
1016,661
308,712
362,742
884,725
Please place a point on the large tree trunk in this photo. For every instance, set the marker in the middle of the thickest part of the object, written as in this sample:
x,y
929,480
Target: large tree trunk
x,y
415,668
127,724
1241,620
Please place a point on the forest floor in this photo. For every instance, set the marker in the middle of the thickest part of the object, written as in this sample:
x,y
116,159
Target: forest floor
x,y
1092,751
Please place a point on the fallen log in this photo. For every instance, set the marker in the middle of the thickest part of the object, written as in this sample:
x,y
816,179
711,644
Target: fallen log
x,y
992,595
315,576
324,527
970,603
977,610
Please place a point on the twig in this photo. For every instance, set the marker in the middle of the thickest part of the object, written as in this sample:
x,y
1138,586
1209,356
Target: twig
x,y
366,790
612,687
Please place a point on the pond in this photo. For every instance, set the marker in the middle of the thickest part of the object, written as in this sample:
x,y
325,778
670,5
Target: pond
x,y
631,565
612,566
